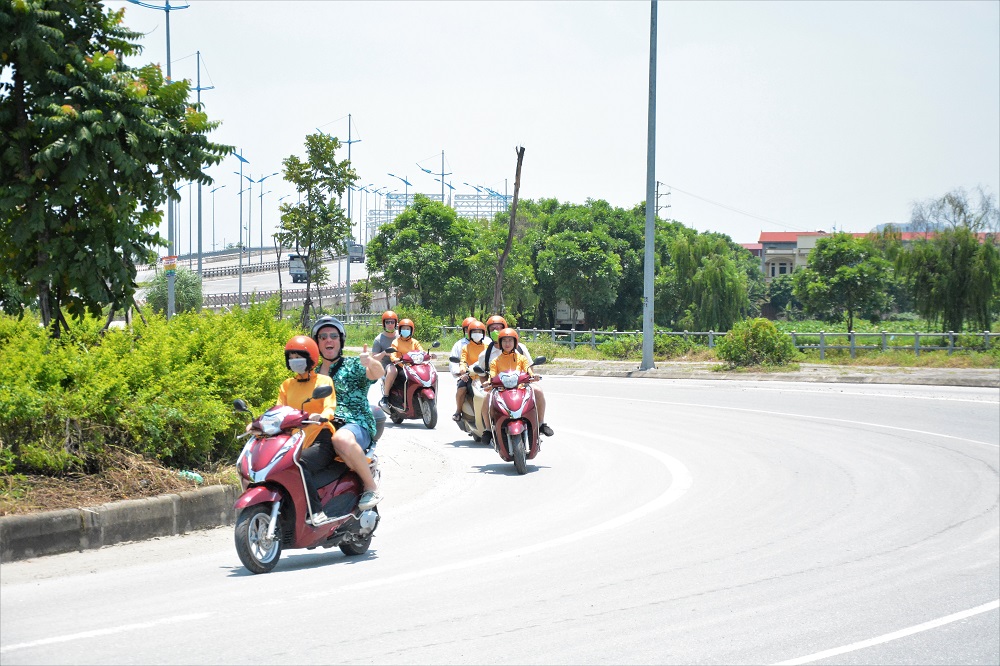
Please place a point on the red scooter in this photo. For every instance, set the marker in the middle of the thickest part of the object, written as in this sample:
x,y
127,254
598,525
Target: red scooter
x,y
514,417
271,512
414,393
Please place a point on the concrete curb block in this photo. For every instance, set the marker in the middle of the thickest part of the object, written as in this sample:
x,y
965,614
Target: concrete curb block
x,y
67,530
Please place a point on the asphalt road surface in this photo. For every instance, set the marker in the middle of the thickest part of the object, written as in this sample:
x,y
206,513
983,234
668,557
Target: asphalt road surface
x,y
665,522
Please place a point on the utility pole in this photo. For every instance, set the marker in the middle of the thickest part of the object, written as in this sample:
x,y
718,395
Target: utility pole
x,y
647,269
199,89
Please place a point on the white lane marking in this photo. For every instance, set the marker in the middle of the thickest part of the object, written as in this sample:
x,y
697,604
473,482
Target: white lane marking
x,y
682,481
798,416
902,633
104,632
787,387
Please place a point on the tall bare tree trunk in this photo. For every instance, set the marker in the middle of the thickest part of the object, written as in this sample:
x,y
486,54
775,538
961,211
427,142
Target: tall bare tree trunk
x,y
498,286
281,292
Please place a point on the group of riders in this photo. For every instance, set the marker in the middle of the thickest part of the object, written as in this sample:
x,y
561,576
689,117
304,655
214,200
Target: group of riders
x,y
318,359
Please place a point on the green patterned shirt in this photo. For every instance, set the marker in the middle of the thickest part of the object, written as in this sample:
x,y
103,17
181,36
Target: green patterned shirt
x,y
351,383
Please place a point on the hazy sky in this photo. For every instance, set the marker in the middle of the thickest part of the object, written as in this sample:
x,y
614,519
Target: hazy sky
x,y
771,116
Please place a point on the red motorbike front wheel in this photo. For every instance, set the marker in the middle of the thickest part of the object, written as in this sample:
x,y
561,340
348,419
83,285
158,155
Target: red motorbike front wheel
x,y
257,553
517,451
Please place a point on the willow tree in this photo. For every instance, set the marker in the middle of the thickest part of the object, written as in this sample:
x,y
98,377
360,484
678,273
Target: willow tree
x,y
89,149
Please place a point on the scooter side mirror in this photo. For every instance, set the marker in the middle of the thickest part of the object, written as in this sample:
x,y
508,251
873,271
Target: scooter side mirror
x,y
539,360
436,343
240,406
478,369
322,391
454,359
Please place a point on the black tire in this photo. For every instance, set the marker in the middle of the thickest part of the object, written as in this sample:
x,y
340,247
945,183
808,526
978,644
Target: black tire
x,y
517,451
356,546
256,553
428,412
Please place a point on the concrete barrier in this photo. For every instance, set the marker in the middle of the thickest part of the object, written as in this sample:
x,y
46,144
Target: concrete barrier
x,y
68,530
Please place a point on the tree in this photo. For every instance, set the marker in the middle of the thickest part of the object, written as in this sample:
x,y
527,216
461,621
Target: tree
x,y
187,292
955,210
317,225
704,279
90,149
954,277
845,276
425,254
583,269
781,295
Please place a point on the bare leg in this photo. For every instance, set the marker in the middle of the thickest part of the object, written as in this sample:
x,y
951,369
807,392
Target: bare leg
x,y
350,452
390,379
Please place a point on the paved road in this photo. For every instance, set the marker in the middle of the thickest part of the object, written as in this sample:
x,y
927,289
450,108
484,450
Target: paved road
x,y
666,522
267,281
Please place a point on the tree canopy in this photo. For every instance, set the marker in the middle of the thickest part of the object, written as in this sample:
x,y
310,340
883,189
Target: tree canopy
x,y
846,276
89,149
316,225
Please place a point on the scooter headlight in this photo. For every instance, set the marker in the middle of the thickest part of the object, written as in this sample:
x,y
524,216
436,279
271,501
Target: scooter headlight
x,y
509,379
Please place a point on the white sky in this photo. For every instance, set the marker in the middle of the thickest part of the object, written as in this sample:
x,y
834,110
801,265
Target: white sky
x,y
771,116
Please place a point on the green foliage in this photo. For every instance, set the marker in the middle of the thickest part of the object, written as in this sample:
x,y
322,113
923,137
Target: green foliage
x,y
954,277
425,255
187,292
705,281
316,225
630,347
427,325
754,342
163,389
91,149
846,276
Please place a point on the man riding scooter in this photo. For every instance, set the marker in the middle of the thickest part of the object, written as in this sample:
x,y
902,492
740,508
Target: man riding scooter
x,y
469,353
352,378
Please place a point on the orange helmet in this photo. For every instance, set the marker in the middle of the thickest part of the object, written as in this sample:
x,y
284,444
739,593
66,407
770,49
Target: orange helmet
x,y
389,314
508,333
477,325
496,319
303,344
466,322
406,322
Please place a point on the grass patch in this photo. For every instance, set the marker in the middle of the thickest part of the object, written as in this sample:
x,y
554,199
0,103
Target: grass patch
x,y
126,476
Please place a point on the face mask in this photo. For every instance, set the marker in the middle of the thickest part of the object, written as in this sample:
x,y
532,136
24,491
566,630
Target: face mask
x,y
494,334
477,337
298,365
405,332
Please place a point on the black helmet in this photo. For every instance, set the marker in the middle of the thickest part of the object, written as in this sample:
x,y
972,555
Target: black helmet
x,y
328,320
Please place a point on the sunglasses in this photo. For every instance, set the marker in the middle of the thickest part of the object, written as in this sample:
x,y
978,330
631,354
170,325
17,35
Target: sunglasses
x,y
329,336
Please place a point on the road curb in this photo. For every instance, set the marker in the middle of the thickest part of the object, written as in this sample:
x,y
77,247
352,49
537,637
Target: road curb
x,y
25,536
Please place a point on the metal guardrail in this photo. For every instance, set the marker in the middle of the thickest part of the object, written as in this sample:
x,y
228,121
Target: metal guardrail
x,y
288,296
887,340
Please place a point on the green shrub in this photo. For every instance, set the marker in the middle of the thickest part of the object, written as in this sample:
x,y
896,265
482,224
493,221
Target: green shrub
x,y
755,342
160,389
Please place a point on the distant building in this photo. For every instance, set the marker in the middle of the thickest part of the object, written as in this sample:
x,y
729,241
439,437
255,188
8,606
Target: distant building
x,y
783,252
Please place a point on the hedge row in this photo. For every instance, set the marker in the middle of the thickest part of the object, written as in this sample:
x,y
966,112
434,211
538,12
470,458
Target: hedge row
x,y
160,389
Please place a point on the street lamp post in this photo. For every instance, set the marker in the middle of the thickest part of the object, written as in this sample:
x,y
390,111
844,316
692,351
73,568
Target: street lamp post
x,y
240,247
262,217
212,192
190,226
479,192
406,190
170,209
261,207
442,174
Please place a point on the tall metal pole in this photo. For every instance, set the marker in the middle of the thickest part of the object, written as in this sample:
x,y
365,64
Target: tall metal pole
x,y
199,89
350,236
442,176
647,269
